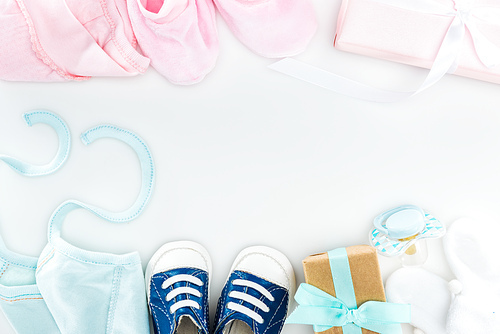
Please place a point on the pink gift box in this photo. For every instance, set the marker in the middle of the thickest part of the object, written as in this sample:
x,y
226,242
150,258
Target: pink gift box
x,y
397,33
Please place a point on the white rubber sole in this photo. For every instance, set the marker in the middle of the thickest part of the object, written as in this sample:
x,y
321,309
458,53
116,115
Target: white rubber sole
x,y
279,257
168,247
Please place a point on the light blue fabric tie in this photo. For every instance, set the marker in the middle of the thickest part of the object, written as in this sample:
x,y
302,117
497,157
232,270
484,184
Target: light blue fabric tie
x,y
147,168
20,298
51,119
324,311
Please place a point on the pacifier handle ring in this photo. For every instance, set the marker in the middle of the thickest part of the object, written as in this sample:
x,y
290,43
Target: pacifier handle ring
x,y
147,168
64,138
377,222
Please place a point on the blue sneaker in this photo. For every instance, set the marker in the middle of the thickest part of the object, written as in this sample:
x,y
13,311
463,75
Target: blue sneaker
x,y
257,294
178,286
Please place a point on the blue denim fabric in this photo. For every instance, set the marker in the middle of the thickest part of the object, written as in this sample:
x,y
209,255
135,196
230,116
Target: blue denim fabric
x,y
163,320
273,320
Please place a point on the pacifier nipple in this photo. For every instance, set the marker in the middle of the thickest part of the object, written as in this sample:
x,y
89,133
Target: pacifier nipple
x,y
455,286
411,250
415,254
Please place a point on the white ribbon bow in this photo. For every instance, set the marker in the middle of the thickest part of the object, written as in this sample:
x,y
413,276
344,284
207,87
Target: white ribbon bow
x,y
466,15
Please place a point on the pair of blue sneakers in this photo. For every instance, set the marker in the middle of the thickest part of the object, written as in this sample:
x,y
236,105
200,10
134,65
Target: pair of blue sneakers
x,y
255,299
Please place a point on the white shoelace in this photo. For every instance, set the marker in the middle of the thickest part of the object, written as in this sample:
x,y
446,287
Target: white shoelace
x,y
250,299
182,290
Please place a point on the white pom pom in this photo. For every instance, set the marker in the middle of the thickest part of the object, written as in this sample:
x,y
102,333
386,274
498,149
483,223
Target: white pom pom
x,y
418,331
455,287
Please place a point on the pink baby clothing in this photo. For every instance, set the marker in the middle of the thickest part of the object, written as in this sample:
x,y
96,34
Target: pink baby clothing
x,y
180,37
270,28
57,40
20,58
54,40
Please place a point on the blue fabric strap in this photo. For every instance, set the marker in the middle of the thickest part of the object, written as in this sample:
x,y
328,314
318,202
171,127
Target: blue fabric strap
x,y
147,167
24,168
51,119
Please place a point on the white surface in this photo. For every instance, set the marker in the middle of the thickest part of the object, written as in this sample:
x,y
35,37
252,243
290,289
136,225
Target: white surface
x,y
251,157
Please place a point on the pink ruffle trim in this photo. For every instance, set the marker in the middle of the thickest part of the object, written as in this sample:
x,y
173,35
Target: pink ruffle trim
x,y
38,48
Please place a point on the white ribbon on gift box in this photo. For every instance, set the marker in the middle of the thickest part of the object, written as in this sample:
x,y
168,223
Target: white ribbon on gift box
x,y
465,14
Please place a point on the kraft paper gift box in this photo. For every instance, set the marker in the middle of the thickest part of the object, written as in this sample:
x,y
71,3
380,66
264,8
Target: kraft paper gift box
x,y
412,32
344,294
365,274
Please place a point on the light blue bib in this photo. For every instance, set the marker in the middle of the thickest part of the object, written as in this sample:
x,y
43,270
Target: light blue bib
x,y
89,292
68,289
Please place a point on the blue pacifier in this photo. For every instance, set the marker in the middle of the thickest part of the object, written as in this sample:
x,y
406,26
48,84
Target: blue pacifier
x,y
398,231
402,222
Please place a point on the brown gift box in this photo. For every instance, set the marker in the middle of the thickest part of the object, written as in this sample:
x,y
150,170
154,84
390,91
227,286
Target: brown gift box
x,y
365,273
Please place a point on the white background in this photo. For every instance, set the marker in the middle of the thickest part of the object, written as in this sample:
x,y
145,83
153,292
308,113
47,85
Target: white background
x,y
250,156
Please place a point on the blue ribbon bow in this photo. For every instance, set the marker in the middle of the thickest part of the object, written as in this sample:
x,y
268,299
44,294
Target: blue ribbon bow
x,y
324,311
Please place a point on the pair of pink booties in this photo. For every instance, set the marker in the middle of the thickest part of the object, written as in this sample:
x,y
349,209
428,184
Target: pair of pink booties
x,y
57,40
181,39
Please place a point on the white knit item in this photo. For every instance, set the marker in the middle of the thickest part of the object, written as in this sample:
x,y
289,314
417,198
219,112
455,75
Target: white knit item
x,y
428,295
470,249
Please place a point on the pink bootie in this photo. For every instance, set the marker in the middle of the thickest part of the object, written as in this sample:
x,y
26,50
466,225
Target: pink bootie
x,y
180,37
270,28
